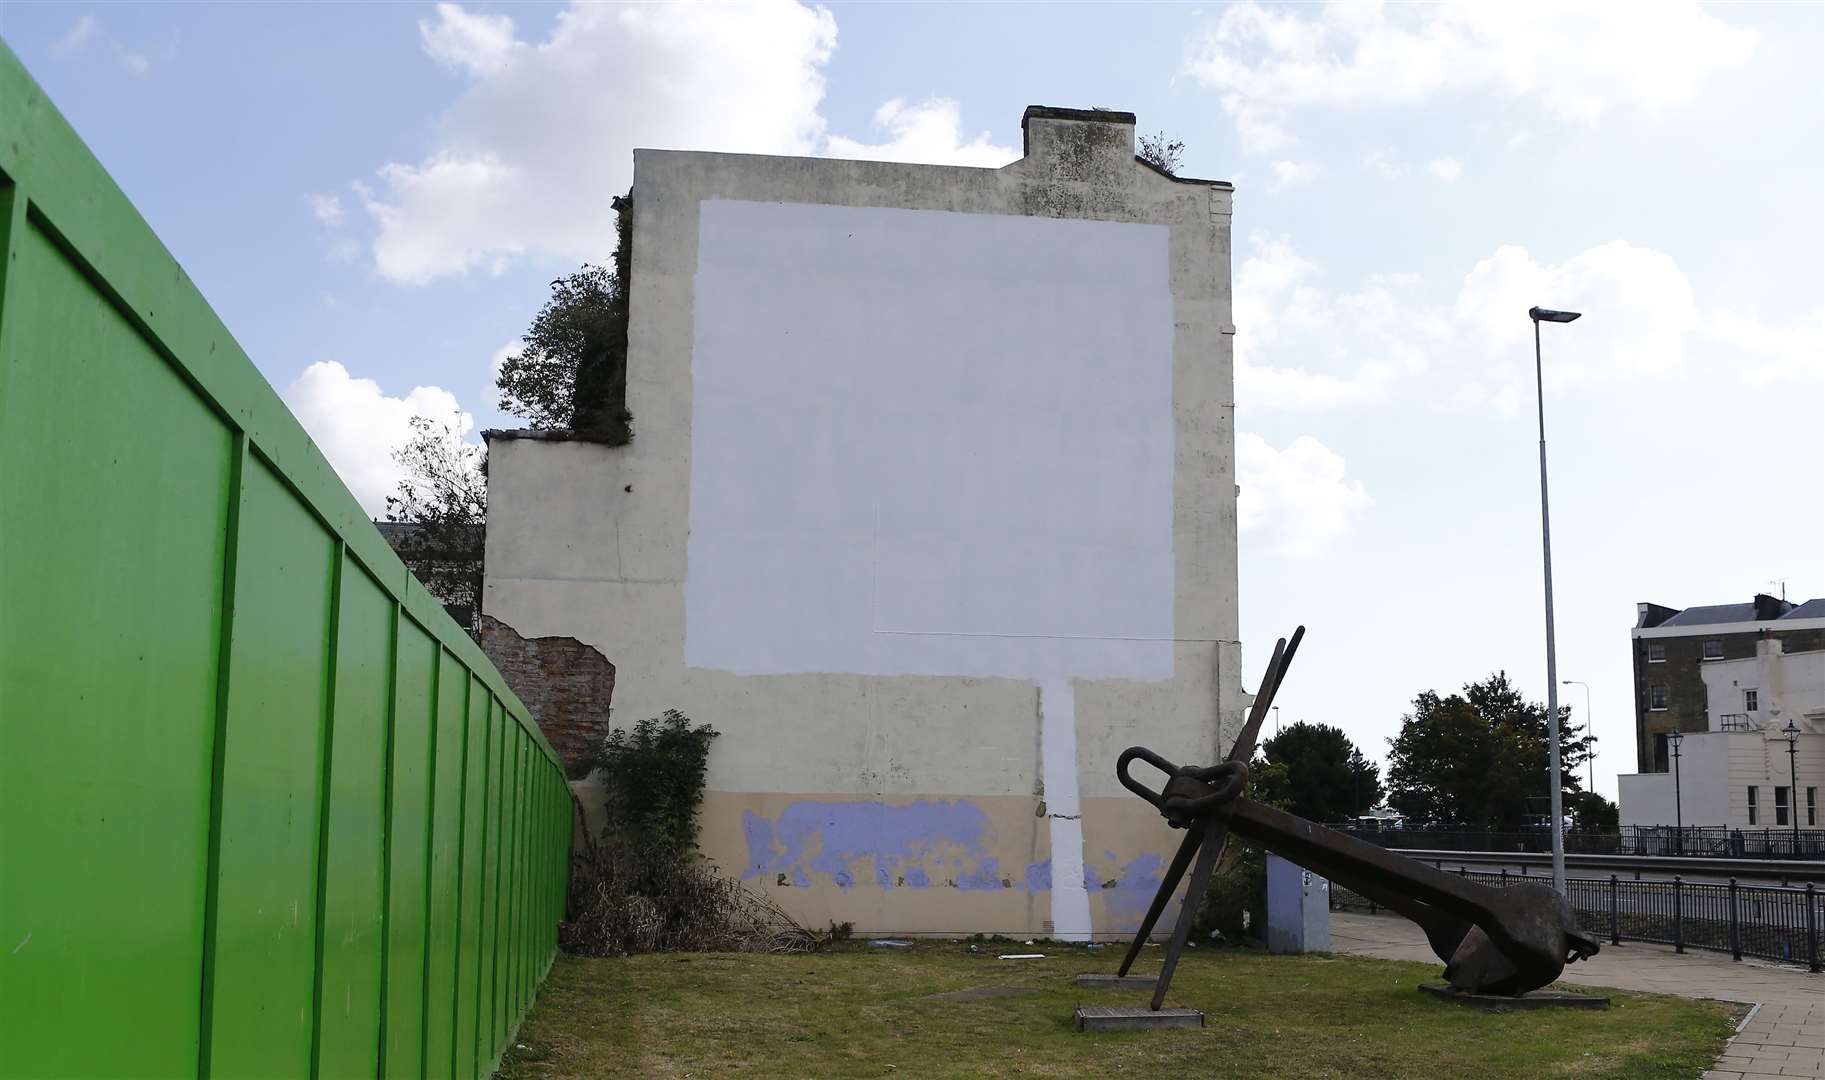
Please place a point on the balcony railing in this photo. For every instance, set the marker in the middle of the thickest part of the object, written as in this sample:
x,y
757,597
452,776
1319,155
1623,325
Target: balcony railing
x,y
1736,721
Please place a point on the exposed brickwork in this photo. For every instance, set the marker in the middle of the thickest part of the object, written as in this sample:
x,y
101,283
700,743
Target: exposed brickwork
x,y
566,684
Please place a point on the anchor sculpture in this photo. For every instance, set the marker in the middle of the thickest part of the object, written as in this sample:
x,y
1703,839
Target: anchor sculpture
x,y
1493,941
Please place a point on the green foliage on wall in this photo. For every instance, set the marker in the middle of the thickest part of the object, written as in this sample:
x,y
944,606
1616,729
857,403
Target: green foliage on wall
x,y
654,776
573,372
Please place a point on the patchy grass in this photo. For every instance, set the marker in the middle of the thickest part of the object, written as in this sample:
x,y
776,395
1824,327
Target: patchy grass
x,y
861,1011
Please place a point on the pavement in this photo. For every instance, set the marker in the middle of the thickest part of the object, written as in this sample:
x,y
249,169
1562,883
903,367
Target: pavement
x,y
1782,1038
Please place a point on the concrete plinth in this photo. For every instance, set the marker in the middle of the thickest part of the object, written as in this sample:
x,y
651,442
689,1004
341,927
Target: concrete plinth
x,y
1133,982
1533,999
1113,1018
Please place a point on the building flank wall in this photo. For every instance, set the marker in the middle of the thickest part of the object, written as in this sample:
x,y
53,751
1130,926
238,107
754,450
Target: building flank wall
x,y
931,512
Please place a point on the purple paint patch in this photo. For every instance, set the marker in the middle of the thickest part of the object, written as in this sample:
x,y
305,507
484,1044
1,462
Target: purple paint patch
x,y
872,841
1039,876
987,876
1125,902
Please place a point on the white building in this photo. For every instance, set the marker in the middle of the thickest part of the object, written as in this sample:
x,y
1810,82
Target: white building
x,y
1737,772
931,511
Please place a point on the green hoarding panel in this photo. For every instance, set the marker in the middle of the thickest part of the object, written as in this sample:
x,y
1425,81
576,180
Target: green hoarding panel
x,y
348,1015
110,605
462,1049
446,847
409,850
261,780
258,988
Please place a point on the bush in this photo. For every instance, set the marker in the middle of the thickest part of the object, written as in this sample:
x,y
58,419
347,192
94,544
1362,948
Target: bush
x,y
641,886
654,779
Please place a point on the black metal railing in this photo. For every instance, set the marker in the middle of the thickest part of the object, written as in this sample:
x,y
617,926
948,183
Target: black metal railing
x,y
1764,921
1772,842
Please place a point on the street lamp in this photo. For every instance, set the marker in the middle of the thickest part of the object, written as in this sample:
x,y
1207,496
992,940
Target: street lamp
x,y
1540,315
1792,732
1588,726
1679,824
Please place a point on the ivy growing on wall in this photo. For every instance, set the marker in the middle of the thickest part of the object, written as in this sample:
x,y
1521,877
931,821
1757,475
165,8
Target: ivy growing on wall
x,y
654,777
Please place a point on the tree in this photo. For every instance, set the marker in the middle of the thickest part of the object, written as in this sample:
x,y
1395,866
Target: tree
x,y
1161,153
1479,757
1327,778
1592,813
440,513
573,371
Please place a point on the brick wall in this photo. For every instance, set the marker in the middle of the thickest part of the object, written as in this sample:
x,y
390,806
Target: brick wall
x,y
566,684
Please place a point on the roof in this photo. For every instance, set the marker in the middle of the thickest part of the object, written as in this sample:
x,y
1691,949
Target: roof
x,y
1811,609
1714,613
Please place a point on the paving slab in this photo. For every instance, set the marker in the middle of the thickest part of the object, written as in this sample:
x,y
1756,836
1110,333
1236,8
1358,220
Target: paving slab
x,y
1783,1037
1117,1018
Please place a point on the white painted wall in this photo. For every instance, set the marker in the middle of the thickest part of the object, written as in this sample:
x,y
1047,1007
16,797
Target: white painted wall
x,y
1788,686
930,443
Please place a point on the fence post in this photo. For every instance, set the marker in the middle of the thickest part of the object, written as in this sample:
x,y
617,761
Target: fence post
x,y
1615,919
1812,928
1736,937
1679,930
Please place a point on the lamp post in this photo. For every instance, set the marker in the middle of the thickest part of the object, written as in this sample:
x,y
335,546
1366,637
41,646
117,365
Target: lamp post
x,y
1679,823
1792,732
1540,315
1588,726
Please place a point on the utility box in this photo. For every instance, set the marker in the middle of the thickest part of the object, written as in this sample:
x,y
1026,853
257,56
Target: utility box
x,y
1298,909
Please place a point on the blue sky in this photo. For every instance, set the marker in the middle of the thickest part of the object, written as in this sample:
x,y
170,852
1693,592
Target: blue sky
x,y
389,188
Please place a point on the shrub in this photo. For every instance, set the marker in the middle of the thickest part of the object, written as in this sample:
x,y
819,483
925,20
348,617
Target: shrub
x,y
641,886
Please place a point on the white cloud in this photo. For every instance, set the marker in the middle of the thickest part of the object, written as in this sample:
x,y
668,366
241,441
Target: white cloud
x,y
1301,346
1295,500
1267,63
357,426
1382,161
325,208
530,154
83,31
477,44
1447,169
1293,173
930,133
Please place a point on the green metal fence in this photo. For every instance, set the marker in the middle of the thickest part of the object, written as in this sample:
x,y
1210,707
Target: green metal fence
x,y
264,809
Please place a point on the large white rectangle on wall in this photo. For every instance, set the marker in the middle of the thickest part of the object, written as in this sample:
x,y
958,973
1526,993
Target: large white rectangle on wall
x,y
930,443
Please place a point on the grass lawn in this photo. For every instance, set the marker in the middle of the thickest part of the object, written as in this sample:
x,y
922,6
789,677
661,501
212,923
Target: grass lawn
x,y
862,1011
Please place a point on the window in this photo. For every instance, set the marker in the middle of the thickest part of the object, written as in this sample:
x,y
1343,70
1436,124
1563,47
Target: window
x,y
1780,806
1657,654
1752,804
1812,806
1751,700
1657,698
1714,650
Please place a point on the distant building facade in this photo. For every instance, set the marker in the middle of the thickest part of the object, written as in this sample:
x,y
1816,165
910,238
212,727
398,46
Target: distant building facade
x,y
1729,678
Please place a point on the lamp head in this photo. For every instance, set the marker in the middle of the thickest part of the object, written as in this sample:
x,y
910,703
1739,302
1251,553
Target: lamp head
x,y
1540,314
